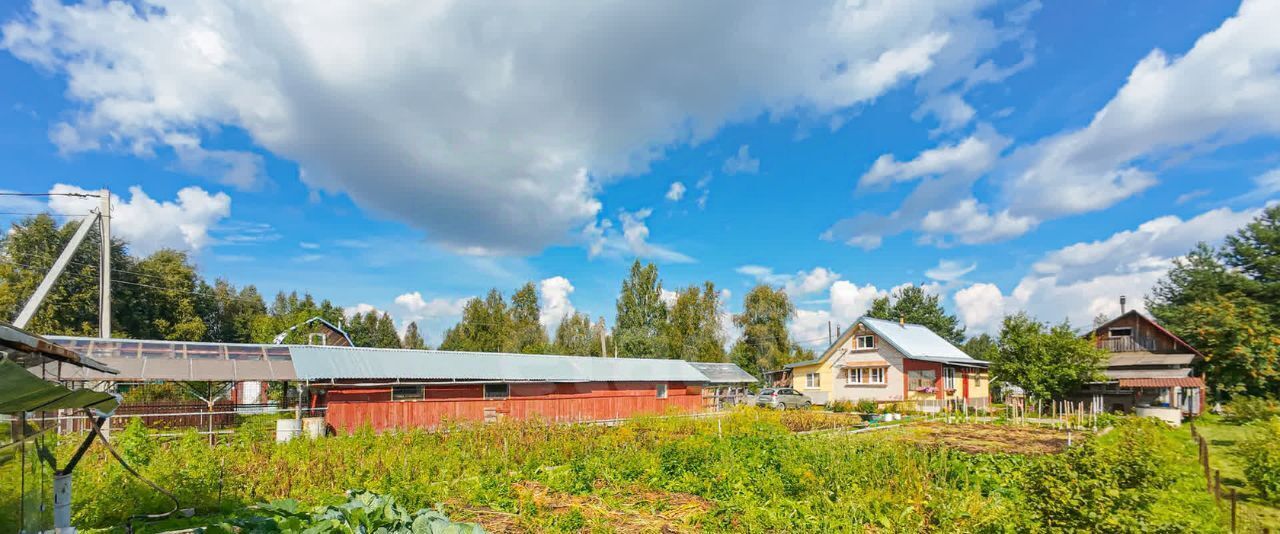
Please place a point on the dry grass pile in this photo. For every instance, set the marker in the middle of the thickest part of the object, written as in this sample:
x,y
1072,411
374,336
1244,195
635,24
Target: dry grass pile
x,y
981,438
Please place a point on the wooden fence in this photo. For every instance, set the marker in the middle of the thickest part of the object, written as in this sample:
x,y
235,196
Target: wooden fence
x,y
1213,478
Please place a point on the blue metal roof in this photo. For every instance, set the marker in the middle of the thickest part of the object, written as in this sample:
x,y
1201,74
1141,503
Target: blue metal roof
x,y
337,363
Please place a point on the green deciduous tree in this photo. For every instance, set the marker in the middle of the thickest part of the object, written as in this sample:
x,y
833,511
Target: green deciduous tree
x,y
485,326
1241,345
1047,362
914,305
642,317
982,347
765,344
576,336
693,329
412,338
528,335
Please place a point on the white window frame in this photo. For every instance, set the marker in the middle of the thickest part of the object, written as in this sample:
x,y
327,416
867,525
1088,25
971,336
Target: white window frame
x,y
812,380
871,375
497,396
865,342
661,391
949,377
855,375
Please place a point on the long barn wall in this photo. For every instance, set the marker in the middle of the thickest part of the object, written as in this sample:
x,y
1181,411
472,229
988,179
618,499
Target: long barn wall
x,y
349,408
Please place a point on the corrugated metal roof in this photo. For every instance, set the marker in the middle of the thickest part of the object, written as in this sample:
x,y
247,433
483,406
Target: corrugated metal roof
x,y
724,373
325,363
1186,382
918,342
1116,374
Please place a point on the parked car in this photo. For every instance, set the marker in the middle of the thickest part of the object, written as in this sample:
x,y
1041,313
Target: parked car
x,y
782,398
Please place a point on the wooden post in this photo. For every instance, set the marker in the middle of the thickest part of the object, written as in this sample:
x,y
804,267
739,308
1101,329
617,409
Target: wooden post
x,y
1233,509
1217,487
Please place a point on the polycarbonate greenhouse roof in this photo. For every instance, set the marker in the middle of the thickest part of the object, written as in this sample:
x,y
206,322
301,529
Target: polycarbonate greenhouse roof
x,y
724,373
340,363
145,360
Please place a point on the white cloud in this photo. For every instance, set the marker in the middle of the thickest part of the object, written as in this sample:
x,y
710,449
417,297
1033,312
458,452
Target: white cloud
x,y
24,204
554,294
1079,281
1190,195
1220,92
417,308
968,157
362,309
950,270
850,301
676,192
149,225
633,241
950,109
742,162
1152,246
972,222
668,297
491,127
1265,186
308,245
798,284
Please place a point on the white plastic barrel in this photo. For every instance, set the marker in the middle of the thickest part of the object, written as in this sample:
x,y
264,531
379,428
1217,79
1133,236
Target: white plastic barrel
x,y
287,429
314,426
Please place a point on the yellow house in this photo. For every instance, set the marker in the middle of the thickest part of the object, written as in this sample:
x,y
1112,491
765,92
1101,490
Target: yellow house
x,y
887,361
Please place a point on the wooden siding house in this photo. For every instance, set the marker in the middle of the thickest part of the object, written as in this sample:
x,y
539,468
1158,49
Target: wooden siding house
x,y
888,361
1148,368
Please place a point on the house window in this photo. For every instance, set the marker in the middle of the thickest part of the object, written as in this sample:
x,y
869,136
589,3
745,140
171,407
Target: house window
x,y
877,375
949,377
497,391
855,376
976,376
866,342
662,391
399,393
921,379
1121,332
812,380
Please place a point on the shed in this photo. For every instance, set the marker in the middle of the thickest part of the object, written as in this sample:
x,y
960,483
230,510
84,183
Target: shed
x,y
727,384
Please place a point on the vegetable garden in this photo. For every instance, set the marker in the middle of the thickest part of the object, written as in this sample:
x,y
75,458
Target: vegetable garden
x,y
748,471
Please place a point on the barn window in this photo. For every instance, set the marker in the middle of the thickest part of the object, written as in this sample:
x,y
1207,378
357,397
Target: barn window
x,y
497,391
399,393
866,342
662,391
1121,332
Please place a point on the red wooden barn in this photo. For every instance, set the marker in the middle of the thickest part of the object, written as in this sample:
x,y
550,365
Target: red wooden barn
x,y
392,388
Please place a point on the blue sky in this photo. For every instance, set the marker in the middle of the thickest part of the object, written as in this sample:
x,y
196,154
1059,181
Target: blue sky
x,y
1007,156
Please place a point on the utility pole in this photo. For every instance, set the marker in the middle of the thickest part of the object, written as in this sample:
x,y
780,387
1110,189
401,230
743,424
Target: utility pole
x,y
104,292
604,352
829,340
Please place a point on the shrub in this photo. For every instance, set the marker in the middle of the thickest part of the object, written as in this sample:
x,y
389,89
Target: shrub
x,y
865,406
363,512
840,406
1261,455
1246,409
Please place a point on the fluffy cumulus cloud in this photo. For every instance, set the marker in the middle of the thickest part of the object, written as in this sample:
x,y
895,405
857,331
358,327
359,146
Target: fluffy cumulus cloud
x,y
416,308
798,284
604,239
950,270
675,192
970,157
1079,281
847,302
742,162
184,223
491,127
1220,92
554,295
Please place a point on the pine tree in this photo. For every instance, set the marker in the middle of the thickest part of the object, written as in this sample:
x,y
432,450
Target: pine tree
x,y
642,316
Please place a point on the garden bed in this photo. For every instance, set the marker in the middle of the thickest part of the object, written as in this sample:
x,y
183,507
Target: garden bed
x,y
990,438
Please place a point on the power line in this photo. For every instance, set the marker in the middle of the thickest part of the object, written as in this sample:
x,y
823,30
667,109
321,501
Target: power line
x,y
80,195
33,214
86,276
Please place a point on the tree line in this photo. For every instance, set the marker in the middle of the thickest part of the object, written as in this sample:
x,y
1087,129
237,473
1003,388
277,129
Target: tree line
x,y
1225,301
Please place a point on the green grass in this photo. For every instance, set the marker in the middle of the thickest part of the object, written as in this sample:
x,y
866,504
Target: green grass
x,y
1255,513
750,471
